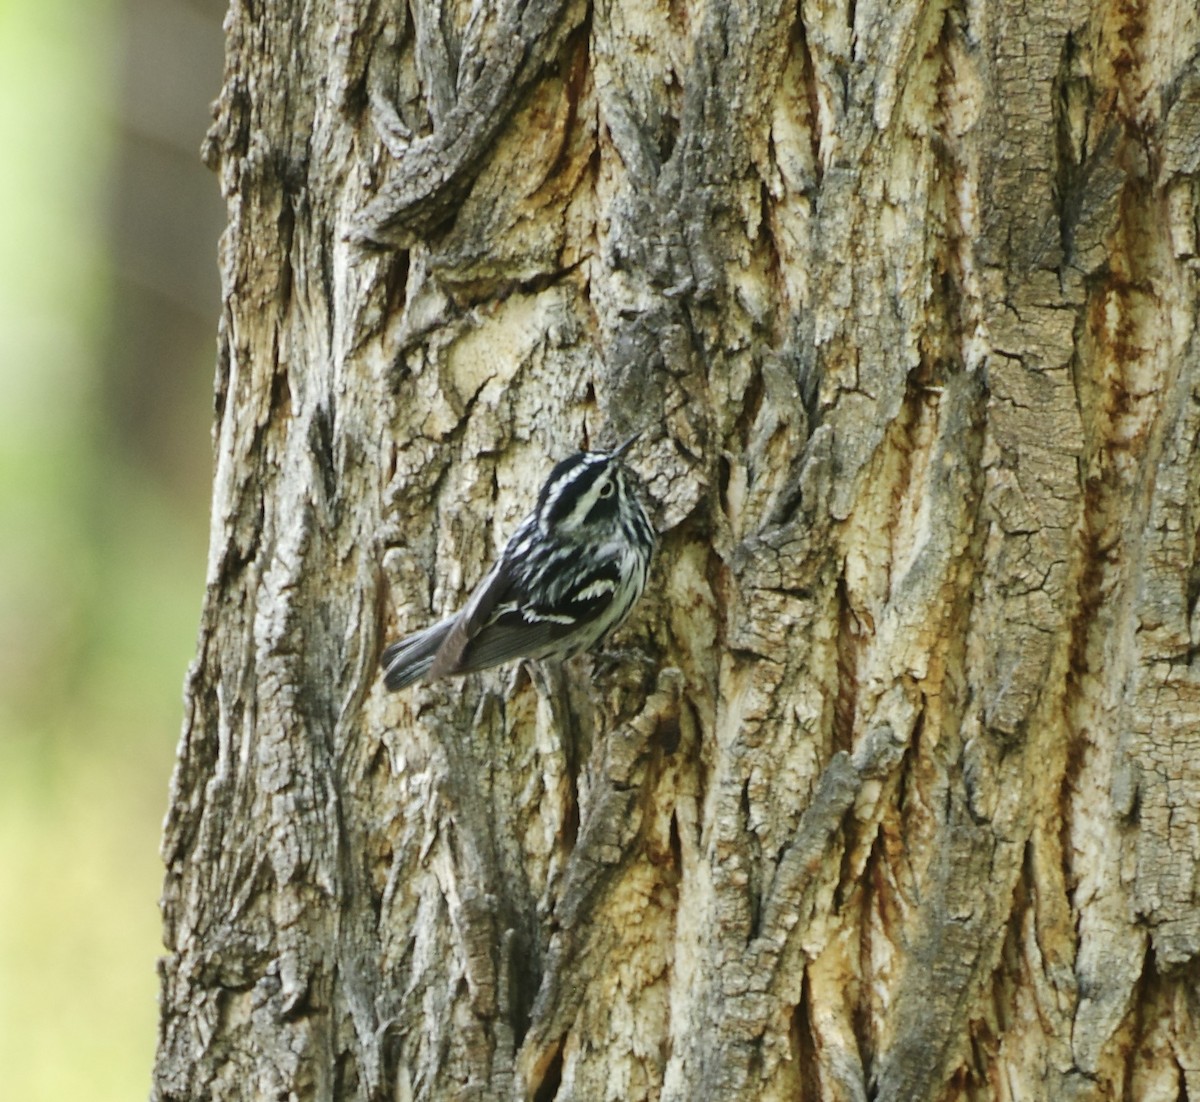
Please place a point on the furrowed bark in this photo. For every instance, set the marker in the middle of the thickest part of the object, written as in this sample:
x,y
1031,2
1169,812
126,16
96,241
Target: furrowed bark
x,y
889,789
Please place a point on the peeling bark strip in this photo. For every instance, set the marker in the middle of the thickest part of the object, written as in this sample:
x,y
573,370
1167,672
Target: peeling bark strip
x,y
892,790
473,89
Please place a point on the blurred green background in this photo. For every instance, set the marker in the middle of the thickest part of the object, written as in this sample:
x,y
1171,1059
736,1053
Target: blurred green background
x,y
108,308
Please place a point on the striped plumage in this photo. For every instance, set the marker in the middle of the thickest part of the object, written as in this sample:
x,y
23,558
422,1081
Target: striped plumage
x,y
569,575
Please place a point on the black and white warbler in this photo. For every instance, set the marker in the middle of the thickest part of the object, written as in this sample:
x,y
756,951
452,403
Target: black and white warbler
x,y
568,576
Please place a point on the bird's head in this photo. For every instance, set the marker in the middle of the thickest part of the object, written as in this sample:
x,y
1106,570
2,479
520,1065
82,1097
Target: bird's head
x,y
586,495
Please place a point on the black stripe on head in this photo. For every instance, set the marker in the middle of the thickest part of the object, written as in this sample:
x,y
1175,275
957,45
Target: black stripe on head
x,y
570,480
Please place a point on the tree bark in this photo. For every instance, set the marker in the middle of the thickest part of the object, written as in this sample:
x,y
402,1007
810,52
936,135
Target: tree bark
x,y
891,789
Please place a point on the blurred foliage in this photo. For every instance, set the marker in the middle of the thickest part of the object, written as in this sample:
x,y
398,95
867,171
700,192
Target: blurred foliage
x,y
105,376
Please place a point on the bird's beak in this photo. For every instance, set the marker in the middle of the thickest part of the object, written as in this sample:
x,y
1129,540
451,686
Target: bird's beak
x,y
621,449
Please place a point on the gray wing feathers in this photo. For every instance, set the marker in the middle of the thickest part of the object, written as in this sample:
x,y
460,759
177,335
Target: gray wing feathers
x,y
499,643
463,628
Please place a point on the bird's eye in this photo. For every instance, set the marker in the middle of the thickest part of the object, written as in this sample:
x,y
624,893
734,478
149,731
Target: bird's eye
x,y
606,490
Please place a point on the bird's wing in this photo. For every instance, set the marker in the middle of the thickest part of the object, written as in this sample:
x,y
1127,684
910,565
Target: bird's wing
x,y
514,633
495,588
496,626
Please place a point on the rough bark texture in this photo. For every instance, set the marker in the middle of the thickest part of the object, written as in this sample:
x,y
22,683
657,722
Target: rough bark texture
x,y
894,793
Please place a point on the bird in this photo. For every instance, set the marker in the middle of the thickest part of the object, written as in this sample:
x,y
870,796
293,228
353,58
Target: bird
x,y
569,576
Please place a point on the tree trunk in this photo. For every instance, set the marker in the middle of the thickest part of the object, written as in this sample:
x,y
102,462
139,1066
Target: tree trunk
x,y
891,787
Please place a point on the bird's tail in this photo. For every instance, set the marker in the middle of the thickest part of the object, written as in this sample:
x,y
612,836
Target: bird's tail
x,y
403,662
